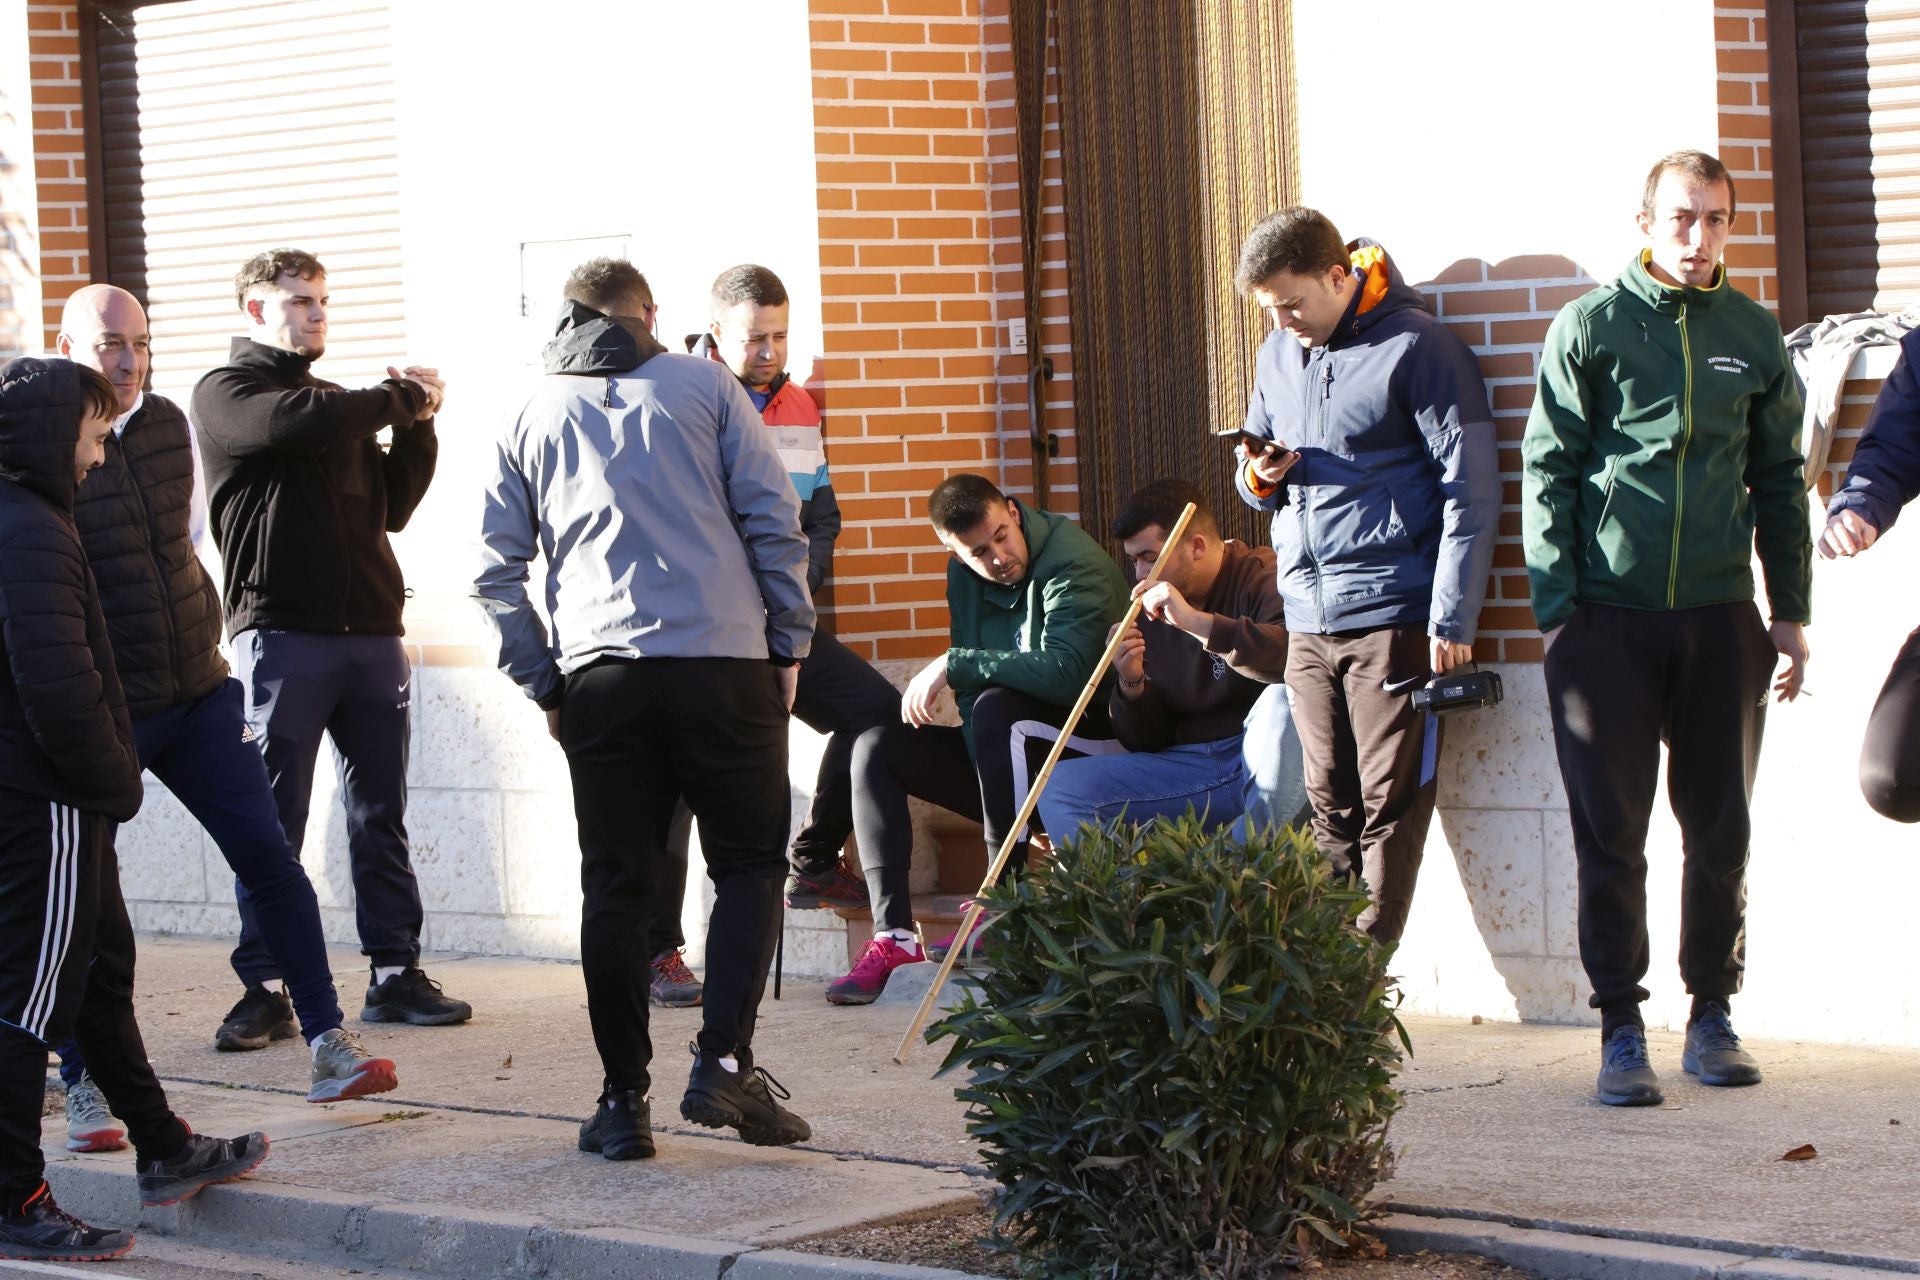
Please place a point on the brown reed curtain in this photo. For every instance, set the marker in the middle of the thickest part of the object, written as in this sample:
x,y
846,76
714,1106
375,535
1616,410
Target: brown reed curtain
x,y
1176,136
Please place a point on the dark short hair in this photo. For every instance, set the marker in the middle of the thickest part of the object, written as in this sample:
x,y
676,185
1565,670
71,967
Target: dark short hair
x,y
1161,503
961,502
265,268
101,399
1704,169
746,283
1299,241
607,284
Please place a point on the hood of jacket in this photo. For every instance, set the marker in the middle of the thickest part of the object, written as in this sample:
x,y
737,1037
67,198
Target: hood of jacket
x,y
41,405
1383,291
592,343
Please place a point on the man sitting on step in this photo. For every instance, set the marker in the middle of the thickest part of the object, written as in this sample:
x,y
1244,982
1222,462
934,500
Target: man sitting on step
x,y
1031,597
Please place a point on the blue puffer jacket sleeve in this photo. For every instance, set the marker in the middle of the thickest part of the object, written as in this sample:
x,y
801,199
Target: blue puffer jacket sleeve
x,y
1885,473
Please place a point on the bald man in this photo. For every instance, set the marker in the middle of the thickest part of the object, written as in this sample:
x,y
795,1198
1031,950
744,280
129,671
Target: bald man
x,y
163,619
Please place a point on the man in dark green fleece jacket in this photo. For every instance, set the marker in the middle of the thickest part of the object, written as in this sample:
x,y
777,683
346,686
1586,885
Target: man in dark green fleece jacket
x,y
1031,597
1662,450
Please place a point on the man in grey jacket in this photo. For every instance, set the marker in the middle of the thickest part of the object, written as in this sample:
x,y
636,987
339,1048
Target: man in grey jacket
x,y
676,582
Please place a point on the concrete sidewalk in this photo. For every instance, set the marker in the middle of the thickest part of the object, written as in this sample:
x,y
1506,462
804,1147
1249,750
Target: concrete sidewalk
x,y
470,1167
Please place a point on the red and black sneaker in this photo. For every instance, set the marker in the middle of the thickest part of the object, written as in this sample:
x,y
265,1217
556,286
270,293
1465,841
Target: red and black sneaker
x,y
836,888
44,1232
673,985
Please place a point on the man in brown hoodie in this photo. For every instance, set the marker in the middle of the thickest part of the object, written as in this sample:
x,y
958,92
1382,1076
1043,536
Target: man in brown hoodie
x,y
1198,704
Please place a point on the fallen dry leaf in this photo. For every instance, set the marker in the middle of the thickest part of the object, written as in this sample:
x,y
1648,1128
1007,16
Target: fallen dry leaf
x,y
1804,1151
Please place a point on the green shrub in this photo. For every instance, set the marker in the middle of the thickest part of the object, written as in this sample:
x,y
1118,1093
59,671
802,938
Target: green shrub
x,y
1180,1062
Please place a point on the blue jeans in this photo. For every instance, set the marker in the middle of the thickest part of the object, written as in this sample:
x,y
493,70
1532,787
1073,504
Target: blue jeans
x,y
358,691
1253,779
203,753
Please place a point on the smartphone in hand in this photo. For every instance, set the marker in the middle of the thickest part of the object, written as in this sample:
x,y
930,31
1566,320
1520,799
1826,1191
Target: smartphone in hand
x,y
1256,446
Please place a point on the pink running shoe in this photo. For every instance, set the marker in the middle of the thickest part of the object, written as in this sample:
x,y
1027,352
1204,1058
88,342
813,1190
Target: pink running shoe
x,y
869,976
937,951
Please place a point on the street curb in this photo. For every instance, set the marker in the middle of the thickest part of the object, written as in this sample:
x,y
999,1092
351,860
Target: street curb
x,y
442,1239
1564,1252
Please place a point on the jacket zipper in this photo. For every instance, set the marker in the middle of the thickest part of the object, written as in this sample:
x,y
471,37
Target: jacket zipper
x,y
146,537
1306,503
1680,466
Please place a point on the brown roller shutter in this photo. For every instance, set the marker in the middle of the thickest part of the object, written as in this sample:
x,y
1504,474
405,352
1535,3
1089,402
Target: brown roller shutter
x,y
230,126
1858,80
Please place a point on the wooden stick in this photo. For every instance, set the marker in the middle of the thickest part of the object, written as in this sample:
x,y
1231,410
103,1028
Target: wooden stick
x,y
999,863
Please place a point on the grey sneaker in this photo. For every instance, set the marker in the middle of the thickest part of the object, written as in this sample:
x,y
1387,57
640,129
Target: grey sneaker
x,y
1626,1077
90,1126
674,985
1713,1052
342,1068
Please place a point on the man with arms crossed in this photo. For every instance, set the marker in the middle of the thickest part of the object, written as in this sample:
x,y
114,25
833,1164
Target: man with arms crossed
x,y
677,623
1385,488
1662,450
839,695
302,498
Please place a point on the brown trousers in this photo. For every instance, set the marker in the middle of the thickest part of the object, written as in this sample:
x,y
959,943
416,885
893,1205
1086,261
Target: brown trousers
x,y
1371,759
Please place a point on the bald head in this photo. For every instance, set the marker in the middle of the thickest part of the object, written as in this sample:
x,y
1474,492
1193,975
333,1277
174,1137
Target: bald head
x,y
104,328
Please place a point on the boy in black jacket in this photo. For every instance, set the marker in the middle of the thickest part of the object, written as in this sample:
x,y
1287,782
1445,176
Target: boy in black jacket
x,y
68,772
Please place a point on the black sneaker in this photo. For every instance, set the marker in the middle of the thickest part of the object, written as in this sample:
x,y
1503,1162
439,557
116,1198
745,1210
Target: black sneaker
x,y
260,1017
742,1100
411,996
621,1127
1713,1052
43,1232
202,1163
1626,1077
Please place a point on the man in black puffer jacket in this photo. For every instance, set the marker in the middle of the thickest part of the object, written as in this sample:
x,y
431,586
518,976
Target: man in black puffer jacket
x,y
68,772
189,722
302,498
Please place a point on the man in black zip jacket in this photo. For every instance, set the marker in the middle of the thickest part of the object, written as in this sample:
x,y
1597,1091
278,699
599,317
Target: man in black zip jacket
x,y
189,725
69,771
302,498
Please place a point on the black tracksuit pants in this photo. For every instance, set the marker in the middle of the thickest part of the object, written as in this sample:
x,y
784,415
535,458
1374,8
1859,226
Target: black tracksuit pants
x,y
639,734
1890,758
66,972
841,695
1619,683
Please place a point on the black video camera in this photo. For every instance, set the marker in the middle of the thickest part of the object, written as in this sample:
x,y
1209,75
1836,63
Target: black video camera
x,y
1459,691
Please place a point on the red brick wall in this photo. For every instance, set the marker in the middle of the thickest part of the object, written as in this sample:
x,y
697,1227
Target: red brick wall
x,y
53,51
920,276
1746,146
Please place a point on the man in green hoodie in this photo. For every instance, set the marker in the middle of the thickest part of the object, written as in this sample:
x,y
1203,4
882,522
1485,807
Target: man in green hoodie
x,y
1662,450
1030,596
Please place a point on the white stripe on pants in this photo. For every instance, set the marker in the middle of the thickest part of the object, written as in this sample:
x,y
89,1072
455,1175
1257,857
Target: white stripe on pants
x,y
1025,731
63,880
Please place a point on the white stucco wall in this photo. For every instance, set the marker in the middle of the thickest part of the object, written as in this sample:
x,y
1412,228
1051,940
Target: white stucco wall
x,y
691,137
1494,129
